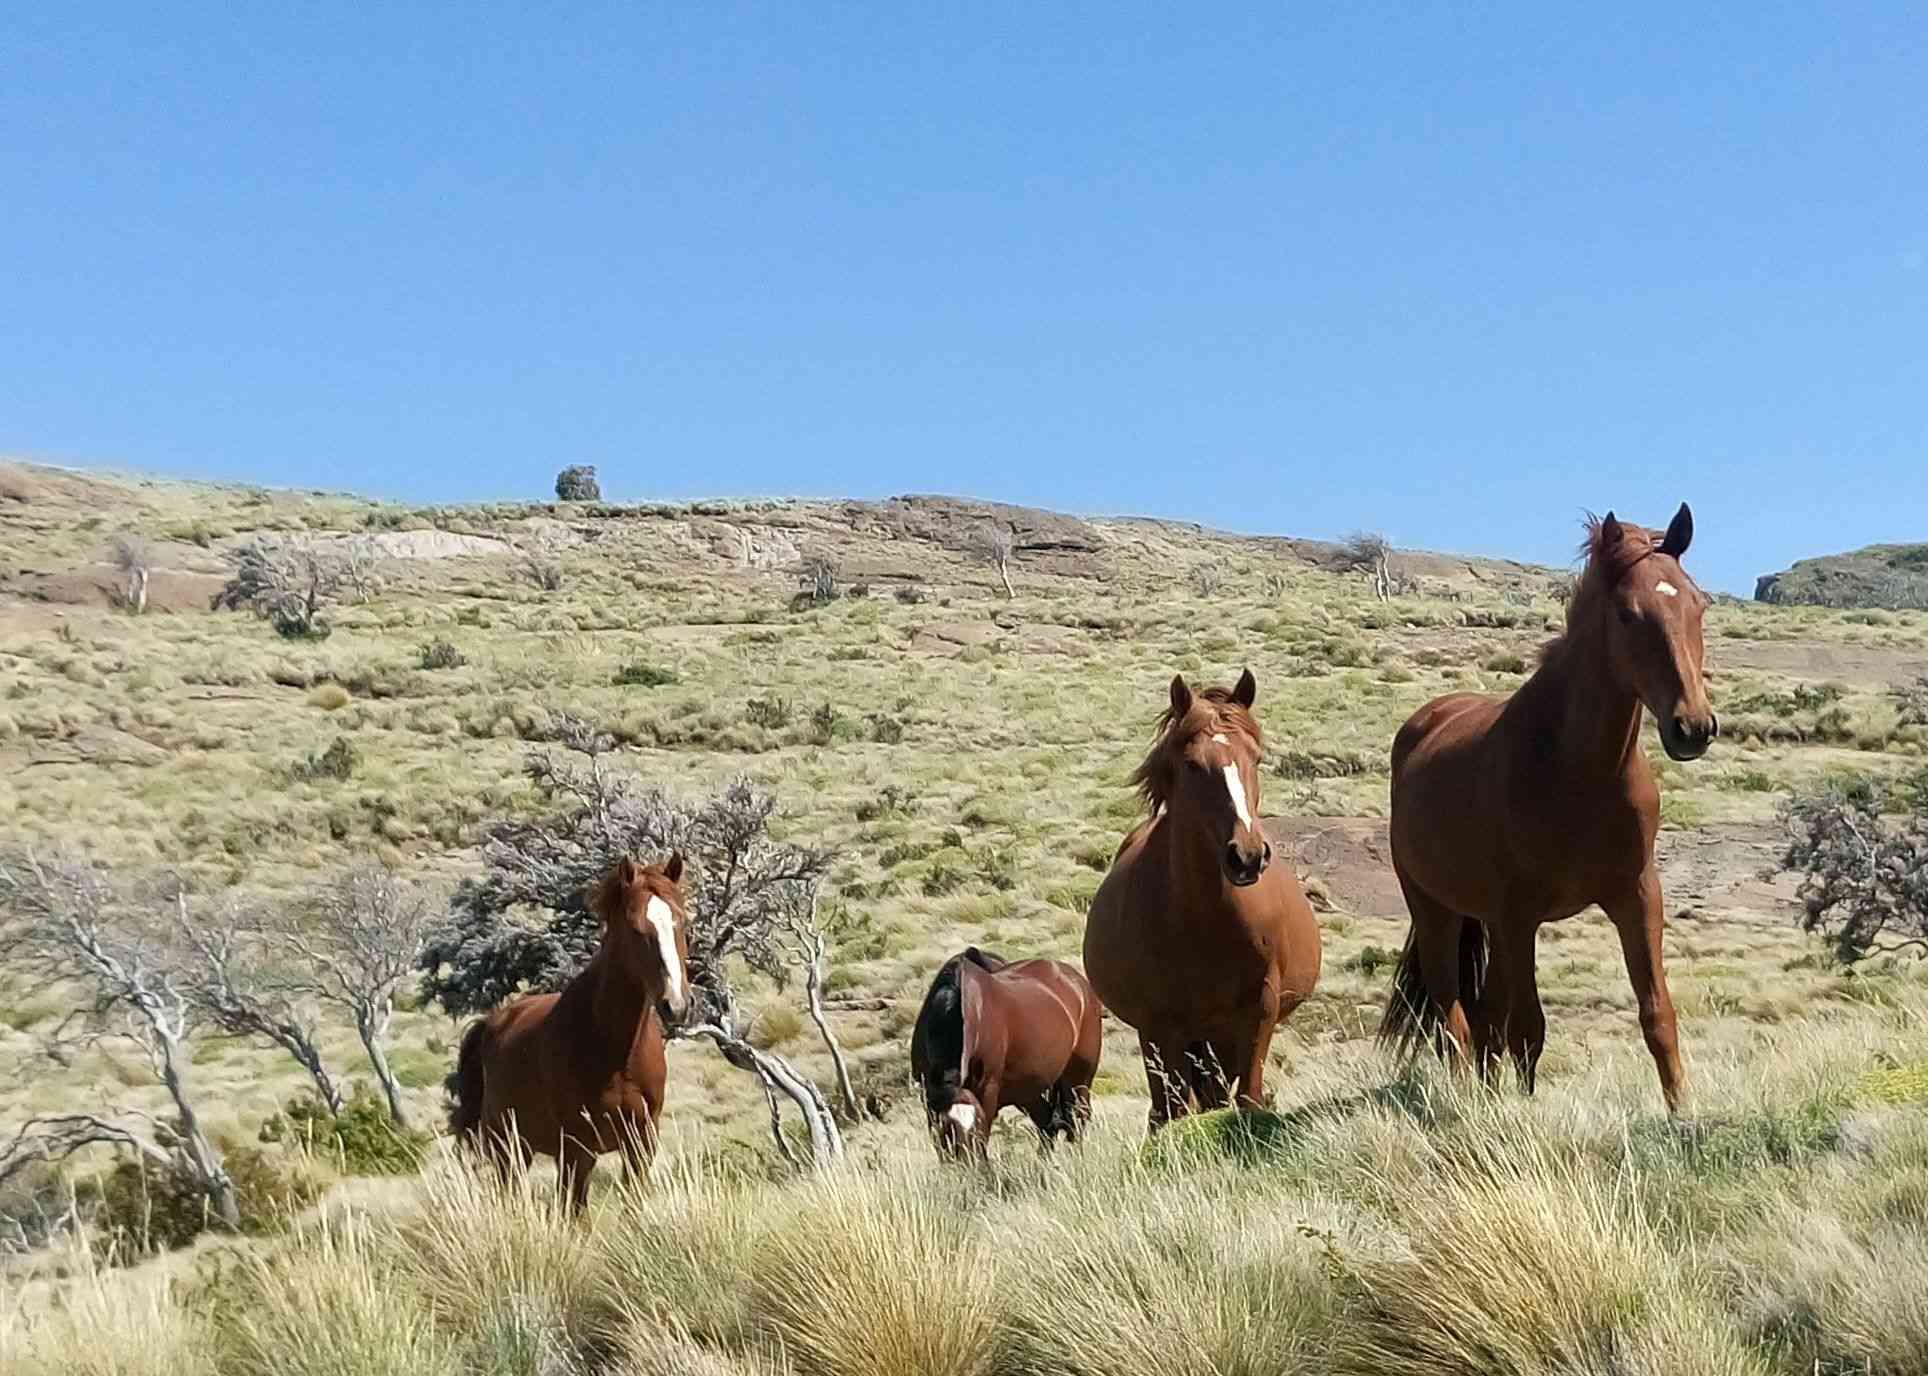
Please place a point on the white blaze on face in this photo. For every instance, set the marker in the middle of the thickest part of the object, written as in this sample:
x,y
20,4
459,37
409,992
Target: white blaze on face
x,y
1236,787
664,921
964,1115
1667,590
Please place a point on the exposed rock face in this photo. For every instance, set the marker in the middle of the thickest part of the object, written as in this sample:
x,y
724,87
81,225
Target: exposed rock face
x,y
1891,576
749,545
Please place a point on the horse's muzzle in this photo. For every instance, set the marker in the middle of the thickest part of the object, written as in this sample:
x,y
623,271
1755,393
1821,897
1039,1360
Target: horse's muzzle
x,y
1685,739
1242,869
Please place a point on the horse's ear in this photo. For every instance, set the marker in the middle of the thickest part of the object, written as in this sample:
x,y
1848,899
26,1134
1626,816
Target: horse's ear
x,y
627,872
1680,533
1609,531
1181,697
673,868
1246,692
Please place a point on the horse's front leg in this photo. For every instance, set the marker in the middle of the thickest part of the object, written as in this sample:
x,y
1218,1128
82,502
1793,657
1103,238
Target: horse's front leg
x,y
635,1131
574,1161
1251,1075
1640,917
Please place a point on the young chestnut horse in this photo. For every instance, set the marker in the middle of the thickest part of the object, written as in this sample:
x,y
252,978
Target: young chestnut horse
x,y
579,1073
995,1034
1195,938
1512,812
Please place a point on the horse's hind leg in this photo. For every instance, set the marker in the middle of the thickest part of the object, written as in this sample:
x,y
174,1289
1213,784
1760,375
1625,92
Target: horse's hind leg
x,y
1436,948
1513,993
1210,1068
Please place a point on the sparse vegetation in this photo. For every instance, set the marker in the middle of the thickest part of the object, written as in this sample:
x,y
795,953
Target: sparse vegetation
x,y
167,742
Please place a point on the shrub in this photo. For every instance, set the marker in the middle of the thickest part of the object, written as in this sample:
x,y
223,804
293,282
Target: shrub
x,y
441,653
826,724
643,676
775,1026
142,1208
1507,663
361,1140
891,798
909,594
329,697
885,730
1864,879
1206,578
339,761
577,483
771,713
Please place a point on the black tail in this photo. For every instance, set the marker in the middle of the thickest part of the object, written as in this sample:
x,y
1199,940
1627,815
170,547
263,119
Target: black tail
x,y
937,1040
464,1085
1411,1019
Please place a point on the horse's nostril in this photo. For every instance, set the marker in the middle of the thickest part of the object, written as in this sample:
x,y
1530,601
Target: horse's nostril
x,y
1713,725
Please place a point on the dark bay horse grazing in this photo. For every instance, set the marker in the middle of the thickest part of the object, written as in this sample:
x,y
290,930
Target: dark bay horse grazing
x,y
996,1034
1508,813
1195,938
579,1073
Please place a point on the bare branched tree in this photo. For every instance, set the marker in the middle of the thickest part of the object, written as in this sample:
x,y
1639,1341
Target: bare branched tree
x,y
234,971
752,903
1371,554
996,545
360,943
817,581
64,925
131,558
287,584
1864,878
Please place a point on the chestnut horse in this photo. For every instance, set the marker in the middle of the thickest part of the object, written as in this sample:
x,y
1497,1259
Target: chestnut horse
x,y
579,1073
1196,938
996,1034
1508,813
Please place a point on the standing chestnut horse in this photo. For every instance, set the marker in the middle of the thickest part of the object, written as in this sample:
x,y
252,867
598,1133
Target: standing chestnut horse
x,y
579,1073
1508,813
1196,938
996,1034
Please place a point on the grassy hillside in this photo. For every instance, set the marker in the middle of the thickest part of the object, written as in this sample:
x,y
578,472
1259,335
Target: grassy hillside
x,y
1880,576
965,754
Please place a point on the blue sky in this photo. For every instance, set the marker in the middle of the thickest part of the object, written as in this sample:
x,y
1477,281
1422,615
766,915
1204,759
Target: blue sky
x,y
1450,271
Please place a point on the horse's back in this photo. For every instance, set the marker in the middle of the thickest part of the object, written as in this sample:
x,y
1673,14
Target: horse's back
x,y
1050,1023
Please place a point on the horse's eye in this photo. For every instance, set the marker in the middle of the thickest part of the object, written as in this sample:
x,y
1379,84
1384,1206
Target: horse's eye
x,y
1627,615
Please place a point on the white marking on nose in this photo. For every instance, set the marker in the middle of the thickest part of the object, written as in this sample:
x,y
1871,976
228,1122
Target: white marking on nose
x,y
964,1116
664,921
1236,787
1667,590
1222,739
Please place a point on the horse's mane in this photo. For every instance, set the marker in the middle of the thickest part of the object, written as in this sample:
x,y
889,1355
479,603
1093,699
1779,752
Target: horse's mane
x,y
1212,709
1605,565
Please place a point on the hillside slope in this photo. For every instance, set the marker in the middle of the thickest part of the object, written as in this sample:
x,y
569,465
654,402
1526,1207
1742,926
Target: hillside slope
x,y
1892,577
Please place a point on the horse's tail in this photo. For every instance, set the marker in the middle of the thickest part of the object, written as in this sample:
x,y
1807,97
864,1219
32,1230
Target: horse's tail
x,y
464,1084
937,1040
1411,1018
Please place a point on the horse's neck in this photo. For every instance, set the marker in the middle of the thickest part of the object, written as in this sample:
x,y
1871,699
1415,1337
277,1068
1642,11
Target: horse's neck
x,y
1593,723
1193,862
618,1005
